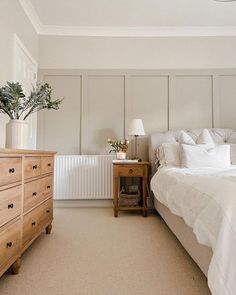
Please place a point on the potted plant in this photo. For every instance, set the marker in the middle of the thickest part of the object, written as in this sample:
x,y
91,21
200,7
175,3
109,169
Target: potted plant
x,y
119,147
15,104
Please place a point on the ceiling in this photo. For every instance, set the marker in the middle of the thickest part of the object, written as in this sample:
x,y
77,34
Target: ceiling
x,y
133,16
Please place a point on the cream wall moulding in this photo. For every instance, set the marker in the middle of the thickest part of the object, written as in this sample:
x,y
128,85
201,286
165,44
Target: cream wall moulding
x,y
117,31
138,31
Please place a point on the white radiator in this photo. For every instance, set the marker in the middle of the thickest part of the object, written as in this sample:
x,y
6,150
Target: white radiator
x,y
83,177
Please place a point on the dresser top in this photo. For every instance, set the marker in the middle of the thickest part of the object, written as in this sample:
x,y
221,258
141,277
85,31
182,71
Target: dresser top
x,y
24,152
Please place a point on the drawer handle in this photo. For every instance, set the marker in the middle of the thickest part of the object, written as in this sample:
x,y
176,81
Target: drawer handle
x,y
49,164
49,186
9,244
34,194
33,223
35,166
131,171
10,206
48,211
11,170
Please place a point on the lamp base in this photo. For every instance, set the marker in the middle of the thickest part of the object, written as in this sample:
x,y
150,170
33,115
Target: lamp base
x,y
136,149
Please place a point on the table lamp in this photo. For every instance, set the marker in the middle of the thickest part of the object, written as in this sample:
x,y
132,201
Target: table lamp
x,y
136,129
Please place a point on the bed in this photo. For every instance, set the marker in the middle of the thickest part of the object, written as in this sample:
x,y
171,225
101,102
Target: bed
x,y
178,192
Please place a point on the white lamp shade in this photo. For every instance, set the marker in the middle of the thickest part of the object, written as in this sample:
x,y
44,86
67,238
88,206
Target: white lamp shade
x,y
136,127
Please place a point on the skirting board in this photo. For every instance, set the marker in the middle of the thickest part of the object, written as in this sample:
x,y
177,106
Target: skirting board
x,y
89,203
82,203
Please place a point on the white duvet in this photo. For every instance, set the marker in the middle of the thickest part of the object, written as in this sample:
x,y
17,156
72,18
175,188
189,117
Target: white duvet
x,y
206,199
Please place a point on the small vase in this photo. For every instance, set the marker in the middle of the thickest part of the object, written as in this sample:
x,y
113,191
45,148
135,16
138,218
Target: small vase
x,y
17,134
120,155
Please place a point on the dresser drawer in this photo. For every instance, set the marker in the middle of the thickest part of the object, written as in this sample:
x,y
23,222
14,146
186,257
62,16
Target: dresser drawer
x,y
130,170
36,220
47,165
10,170
32,167
30,226
36,191
47,213
10,204
9,242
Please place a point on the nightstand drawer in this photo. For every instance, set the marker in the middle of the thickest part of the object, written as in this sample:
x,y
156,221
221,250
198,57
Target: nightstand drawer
x,y
130,171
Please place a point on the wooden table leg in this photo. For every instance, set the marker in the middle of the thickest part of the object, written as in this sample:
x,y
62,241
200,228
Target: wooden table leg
x,y
16,267
144,197
115,192
48,229
115,212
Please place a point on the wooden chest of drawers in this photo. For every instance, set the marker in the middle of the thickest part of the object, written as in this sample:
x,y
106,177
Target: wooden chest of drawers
x,y
26,202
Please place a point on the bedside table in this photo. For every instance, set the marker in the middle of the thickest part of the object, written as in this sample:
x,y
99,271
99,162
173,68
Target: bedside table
x,y
139,170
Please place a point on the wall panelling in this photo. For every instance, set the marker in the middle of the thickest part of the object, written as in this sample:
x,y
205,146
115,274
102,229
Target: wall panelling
x,y
191,102
226,102
104,113
60,130
99,104
147,98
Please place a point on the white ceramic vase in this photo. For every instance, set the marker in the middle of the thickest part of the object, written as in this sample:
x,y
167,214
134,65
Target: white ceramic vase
x,y
120,155
17,136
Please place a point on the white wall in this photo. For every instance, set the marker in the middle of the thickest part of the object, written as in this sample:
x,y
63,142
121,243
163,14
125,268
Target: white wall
x,y
58,52
13,20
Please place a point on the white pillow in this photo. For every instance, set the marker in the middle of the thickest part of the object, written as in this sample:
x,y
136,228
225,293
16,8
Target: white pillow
x,y
195,156
185,138
206,139
168,154
203,138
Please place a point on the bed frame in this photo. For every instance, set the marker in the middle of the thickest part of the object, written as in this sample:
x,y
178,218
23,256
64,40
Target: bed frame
x,y
201,254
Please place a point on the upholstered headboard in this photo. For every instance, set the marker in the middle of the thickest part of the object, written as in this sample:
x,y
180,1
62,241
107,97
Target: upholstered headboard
x,y
220,136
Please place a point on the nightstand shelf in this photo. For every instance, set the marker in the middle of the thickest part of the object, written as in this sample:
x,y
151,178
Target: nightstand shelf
x,y
121,208
137,170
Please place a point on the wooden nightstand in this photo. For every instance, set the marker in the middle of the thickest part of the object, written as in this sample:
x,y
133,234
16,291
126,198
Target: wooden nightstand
x,y
139,169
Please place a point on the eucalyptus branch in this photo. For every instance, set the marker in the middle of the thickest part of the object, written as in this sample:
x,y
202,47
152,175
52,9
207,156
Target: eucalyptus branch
x,y
24,107
33,110
7,113
15,104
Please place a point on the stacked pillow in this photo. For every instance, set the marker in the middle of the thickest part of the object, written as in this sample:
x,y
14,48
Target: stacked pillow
x,y
190,154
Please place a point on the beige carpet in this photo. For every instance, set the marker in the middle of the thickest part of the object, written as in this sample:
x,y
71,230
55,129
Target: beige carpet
x,y
92,253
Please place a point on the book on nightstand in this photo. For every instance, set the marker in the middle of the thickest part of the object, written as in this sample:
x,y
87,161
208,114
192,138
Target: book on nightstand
x,y
125,161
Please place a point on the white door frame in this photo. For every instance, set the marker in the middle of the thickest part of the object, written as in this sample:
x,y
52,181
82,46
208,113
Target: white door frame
x,y
32,120
18,43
